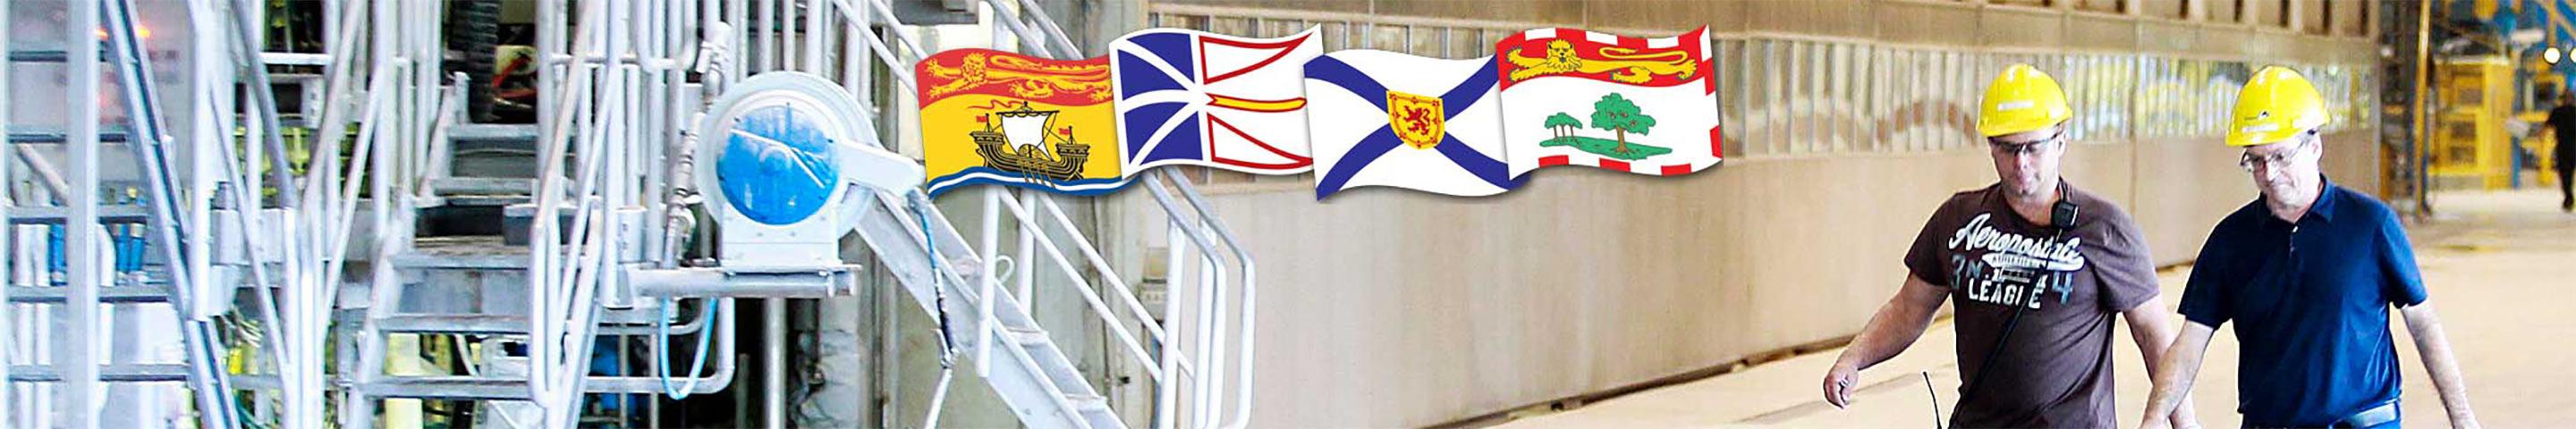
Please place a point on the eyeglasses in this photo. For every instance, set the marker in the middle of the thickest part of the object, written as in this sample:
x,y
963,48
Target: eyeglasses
x,y
2018,149
2274,161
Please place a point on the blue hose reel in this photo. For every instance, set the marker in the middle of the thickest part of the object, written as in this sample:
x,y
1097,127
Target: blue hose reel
x,y
788,159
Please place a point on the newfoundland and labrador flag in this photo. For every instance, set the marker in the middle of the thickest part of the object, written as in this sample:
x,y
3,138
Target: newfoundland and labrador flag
x,y
1193,98
1574,97
1380,118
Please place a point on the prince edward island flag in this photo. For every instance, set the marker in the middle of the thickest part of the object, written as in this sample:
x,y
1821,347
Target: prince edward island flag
x,y
1574,97
1193,98
1380,118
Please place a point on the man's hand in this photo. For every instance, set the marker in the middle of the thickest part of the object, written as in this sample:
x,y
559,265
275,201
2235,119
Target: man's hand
x,y
2184,417
1896,326
2154,329
2167,403
1838,384
2465,422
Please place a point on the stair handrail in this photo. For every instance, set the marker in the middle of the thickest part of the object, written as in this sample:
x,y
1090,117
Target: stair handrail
x,y
1044,38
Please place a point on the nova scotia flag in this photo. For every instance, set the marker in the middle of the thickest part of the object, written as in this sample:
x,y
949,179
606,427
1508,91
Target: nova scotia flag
x,y
1378,118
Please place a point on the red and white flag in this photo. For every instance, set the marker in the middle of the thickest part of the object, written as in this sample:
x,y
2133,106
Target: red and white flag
x,y
1574,97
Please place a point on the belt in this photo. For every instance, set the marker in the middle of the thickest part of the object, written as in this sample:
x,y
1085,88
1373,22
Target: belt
x,y
2378,414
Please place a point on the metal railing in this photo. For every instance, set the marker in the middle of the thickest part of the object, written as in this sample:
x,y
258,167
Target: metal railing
x,y
614,113
1035,217
1206,237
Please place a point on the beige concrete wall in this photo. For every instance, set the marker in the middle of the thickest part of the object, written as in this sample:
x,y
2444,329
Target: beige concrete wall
x,y
1386,308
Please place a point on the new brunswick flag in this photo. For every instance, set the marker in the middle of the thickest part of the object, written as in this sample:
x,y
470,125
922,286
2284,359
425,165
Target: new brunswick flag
x,y
993,117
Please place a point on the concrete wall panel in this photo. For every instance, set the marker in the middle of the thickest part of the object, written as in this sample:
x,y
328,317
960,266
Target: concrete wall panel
x,y
2021,28
1721,16
1384,307
1408,309
2101,33
1926,23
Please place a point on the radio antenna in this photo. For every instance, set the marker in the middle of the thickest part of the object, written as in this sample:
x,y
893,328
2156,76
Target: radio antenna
x,y
1936,399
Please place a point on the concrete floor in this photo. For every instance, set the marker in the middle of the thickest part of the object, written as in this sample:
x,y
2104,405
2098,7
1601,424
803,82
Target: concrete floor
x,y
2501,268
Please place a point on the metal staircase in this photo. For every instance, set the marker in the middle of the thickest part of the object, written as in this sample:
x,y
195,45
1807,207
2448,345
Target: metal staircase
x,y
1033,374
167,265
339,276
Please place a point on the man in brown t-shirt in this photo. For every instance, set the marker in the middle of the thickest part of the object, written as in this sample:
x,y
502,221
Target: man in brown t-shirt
x,y
2035,268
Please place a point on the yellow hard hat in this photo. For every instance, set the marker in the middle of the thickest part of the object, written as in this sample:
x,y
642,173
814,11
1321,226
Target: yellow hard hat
x,y
2275,105
2021,100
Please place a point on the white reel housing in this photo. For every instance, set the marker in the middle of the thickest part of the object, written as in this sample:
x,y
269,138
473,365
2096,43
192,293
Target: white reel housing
x,y
786,161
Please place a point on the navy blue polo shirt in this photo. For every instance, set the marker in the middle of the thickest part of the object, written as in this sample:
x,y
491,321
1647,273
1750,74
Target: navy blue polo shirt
x,y
2310,301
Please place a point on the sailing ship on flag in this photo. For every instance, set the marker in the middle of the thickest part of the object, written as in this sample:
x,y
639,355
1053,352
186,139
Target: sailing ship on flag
x,y
993,117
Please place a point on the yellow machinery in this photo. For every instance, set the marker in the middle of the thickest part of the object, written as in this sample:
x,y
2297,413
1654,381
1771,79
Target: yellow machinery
x,y
2470,148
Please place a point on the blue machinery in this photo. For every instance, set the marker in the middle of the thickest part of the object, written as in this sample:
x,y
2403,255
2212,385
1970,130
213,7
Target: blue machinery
x,y
683,155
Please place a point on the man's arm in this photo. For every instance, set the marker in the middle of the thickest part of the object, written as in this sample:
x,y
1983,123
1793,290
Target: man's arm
x,y
1895,327
2153,329
2435,350
2174,374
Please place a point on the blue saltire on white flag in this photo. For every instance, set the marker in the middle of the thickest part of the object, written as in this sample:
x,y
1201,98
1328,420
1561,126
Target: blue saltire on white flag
x,y
1378,118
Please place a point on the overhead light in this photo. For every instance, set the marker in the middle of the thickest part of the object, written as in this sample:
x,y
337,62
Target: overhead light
x,y
2552,55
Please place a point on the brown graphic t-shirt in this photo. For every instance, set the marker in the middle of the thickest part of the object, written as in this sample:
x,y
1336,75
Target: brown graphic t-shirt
x,y
2056,371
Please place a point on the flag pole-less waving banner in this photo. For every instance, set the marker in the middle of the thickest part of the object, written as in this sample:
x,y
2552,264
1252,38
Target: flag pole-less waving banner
x,y
1382,118
1193,98
1574,97
993,117
1354,118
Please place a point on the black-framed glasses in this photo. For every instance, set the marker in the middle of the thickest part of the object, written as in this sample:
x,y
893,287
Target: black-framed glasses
x,y
2018,149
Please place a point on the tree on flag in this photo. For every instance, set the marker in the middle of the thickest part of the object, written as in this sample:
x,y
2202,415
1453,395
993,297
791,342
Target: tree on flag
x,y
1654,101
1563,124
1616,114
1613,113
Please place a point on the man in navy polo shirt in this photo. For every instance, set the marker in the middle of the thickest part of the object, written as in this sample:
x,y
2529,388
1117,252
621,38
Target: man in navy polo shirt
x,y
2308,273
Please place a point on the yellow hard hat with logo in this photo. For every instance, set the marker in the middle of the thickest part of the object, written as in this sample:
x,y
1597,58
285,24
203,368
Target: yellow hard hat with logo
x,y
2021,100
2275,105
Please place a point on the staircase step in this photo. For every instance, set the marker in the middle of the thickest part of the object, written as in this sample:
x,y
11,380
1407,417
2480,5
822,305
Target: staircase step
x,y
494,324
294,59
122,373
481,324
58,137
111,213
495,387
484,191
1088,402
483,185
1024,336
107,294
473,137
485,252
48,55
448,387
484,200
